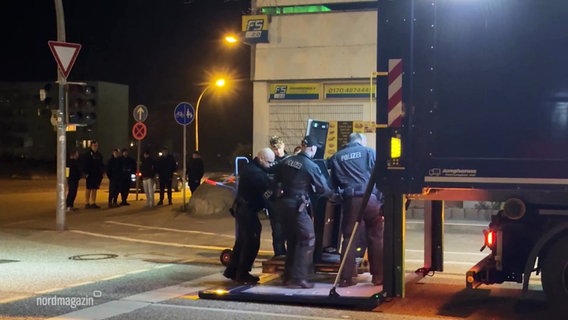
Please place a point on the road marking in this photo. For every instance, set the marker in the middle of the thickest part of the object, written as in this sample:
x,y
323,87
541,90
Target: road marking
x,y
462,263
170,229
260,313
461,224
160,243
452,252
156,297
175,230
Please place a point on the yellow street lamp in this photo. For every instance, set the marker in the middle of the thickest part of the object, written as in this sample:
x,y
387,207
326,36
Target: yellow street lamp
x,y
218,83
231,39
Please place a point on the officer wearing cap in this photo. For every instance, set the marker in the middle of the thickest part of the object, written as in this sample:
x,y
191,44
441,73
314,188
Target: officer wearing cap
x,y
297,177
351,169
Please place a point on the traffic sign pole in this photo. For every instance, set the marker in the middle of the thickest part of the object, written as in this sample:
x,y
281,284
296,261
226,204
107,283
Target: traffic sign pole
x,y
184,114
140,114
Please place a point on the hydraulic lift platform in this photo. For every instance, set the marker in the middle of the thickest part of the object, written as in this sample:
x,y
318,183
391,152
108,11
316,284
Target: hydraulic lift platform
x,y
363,296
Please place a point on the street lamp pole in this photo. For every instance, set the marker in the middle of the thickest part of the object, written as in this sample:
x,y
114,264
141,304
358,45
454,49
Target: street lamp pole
x,y
197,117
219,83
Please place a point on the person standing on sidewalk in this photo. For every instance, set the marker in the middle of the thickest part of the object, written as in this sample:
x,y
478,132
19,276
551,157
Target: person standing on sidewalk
x,y
351,169
253,192
94,169
128,169
114,175
195,171
166,166
73,177
148,172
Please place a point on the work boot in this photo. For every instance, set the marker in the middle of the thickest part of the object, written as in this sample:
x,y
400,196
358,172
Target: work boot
x,y
247,278
160,203
229,273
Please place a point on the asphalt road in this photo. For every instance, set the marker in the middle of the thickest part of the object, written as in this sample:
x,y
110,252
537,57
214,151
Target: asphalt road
x,y
135,263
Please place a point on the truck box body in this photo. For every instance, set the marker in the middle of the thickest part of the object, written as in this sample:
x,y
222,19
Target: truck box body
x,y
485,96
485,92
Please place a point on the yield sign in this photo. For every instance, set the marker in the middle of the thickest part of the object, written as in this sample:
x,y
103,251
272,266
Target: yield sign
x,y
65,54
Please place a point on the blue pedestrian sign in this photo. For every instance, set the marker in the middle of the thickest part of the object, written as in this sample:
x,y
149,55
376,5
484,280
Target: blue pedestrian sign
x,y
184,113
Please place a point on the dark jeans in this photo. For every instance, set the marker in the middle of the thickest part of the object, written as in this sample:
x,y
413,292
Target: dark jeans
x,y
193,184
113,190
124,189
165,185
72,186
278,235
247,242
299,230
372,227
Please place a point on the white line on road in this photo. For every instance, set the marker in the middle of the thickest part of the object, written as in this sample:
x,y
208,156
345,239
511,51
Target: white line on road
x,y
155,297
160,243
175,230
260,313
452,252
170,229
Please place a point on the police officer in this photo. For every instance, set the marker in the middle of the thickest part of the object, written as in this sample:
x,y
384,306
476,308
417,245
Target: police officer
x,y
253,191
351,168
298,176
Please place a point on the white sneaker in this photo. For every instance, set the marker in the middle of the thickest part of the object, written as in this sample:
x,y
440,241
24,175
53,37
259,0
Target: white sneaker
x,y
68,209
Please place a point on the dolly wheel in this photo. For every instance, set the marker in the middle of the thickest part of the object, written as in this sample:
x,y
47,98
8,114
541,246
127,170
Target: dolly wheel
x,y
226,256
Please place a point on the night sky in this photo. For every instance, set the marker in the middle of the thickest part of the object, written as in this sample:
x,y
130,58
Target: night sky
x,y
164,50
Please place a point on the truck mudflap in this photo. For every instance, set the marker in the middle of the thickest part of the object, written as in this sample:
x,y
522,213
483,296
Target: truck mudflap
x,y
363,296
482,273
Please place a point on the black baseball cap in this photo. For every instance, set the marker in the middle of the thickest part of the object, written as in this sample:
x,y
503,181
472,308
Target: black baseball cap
x,y
310,141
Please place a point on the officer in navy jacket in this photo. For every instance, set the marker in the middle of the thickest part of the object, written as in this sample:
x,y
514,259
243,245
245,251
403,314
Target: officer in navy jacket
x,y
351,169
298,176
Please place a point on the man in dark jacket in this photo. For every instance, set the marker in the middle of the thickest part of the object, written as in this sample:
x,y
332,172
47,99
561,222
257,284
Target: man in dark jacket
x,y
253,191
166,166
94,169
298,176
195,171
74,175
114,175
351,168
128,169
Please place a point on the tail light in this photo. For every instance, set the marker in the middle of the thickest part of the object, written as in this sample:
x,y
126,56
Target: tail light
x,y
490,238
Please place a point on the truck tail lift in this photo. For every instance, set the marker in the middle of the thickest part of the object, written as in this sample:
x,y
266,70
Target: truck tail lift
x,y
360,296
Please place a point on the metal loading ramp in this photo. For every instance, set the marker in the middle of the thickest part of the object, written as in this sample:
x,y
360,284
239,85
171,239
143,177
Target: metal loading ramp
x,y
364,295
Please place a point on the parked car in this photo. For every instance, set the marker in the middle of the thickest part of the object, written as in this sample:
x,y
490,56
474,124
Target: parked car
x,y
177,182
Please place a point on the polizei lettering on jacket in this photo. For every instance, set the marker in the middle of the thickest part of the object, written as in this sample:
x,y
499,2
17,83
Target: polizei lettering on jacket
x,y
352,155
294,164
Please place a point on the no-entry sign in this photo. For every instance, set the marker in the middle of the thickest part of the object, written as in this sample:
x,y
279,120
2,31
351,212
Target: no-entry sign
x,y
139,131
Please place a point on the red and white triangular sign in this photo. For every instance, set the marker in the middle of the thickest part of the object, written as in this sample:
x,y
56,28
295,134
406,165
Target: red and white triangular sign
x,y
65,54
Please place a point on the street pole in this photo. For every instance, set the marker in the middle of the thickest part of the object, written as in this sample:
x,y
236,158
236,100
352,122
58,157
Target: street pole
x,y
197,118
184,172
61,135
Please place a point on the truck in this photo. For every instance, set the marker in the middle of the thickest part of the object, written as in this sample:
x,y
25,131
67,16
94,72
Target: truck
x,y
482,116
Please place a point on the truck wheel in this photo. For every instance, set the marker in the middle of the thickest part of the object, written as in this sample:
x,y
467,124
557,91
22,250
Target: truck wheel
x,y
226,256
555,275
